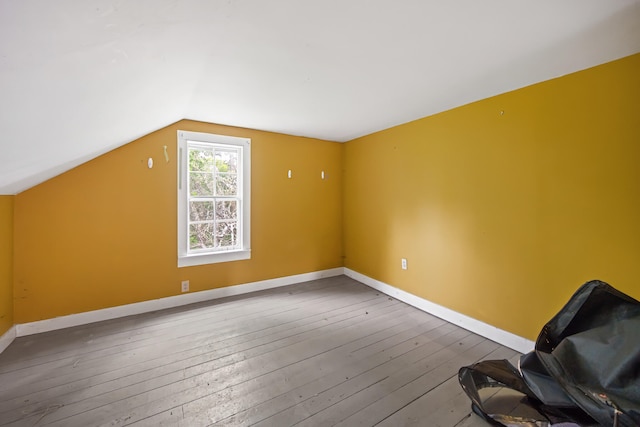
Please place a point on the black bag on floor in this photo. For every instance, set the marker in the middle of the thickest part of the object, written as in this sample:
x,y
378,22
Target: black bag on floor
x,y
585,369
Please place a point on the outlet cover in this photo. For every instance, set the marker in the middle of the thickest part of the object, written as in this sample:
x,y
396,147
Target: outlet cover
x,y
185,286
404,263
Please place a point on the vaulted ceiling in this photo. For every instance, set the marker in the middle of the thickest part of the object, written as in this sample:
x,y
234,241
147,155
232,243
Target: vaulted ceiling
x,y
79,78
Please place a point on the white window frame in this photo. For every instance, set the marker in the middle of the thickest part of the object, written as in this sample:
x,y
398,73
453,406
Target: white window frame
x,y
187,258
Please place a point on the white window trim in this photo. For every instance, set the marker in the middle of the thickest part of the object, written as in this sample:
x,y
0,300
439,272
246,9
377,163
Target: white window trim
x,y
186,259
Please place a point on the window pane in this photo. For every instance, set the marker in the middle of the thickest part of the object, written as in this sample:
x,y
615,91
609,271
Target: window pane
x,y
201,236
226,233
201,211
227,184
227,161
200,184
227,209
201,160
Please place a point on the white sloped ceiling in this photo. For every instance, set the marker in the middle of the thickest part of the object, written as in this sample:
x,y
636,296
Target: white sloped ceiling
x,y
79,78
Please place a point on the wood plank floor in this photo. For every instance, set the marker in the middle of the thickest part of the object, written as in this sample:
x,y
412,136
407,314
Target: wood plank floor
x,y
321,353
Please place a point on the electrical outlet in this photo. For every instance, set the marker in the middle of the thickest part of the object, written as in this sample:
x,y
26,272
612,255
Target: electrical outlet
x,y
185,286
404,263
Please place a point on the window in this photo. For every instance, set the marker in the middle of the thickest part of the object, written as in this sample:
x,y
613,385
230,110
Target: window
x,y
214,198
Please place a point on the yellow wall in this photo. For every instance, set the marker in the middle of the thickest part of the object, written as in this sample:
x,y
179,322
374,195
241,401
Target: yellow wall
x,y
6,263
104,233
502,207
503,216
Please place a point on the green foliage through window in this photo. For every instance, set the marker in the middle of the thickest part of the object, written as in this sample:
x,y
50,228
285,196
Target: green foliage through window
x,y
214,200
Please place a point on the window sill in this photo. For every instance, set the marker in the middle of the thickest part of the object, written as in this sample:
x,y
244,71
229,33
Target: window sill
x,y
203,259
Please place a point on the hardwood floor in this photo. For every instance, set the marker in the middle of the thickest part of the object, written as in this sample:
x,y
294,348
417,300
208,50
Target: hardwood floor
x,y
327,352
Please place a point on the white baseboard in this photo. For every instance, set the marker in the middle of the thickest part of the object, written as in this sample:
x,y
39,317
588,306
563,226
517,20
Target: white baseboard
x,y
163,303
7,338
500,336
